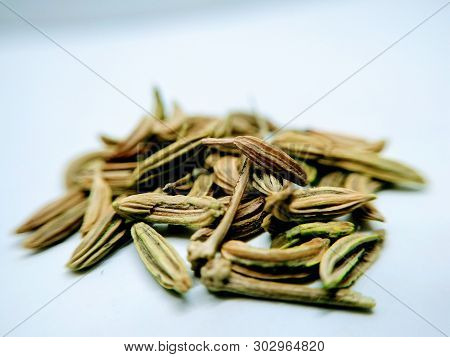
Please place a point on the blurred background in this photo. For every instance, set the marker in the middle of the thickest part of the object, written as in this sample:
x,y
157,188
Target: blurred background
x,y
70,70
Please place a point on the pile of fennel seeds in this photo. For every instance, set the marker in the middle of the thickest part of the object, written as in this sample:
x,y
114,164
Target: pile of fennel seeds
x,y
227,181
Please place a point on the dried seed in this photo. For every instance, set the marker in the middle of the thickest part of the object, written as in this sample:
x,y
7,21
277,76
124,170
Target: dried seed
x,y
304,255
147,127
271,159
332,274
197,125
266,156
369,256
80,164
171,156
188,211
248,220
130,145
377,167
118,166
160,258
58,228
217,276
364,162
302,146
51,210
315,204
306,231
107,234
186,183
239,123
347,141
333,179
120,181
362,183
99,201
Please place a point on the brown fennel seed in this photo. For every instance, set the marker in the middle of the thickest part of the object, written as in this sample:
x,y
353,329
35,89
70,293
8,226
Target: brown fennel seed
x,y
330,273
304,255
314,204
160,258
190,211
266,156
217,276
58,228
304,232
51,210
107,234
99,200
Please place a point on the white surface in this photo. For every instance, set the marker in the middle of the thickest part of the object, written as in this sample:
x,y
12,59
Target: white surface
x,y
281,57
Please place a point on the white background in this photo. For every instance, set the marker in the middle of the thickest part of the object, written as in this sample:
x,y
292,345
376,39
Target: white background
x,y
277,57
